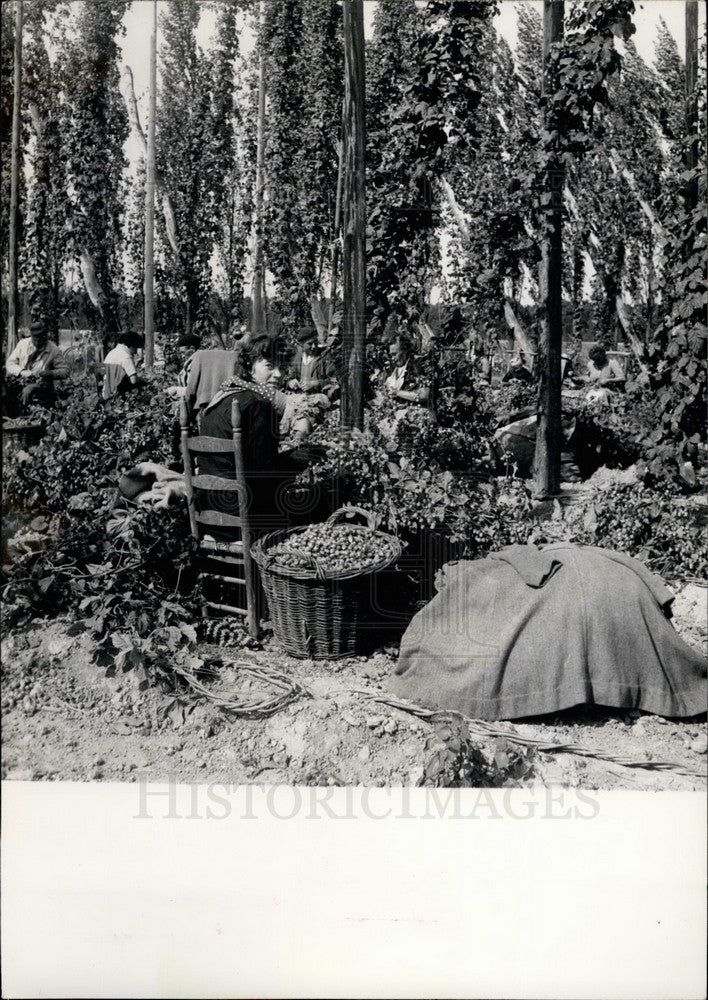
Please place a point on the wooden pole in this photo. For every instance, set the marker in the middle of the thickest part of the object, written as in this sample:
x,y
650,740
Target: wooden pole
x,y
549,432
258,318
336,247
353,218
149,321
691,191
15,157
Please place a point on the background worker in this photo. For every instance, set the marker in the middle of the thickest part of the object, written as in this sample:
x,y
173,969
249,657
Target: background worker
x,y
311,367
518,372
121,375
603,376
405,380
602,371
34,366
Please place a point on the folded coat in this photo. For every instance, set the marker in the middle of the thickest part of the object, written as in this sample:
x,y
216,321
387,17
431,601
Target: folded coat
x,y
528,631
153,483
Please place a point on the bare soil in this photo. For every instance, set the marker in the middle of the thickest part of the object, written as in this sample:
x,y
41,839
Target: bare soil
x,y
64,720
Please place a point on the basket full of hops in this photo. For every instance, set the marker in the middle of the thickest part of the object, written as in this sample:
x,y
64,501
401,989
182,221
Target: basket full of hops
x,y
318,581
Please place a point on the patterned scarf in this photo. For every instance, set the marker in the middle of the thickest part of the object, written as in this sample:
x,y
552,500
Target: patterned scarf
x,y
238,384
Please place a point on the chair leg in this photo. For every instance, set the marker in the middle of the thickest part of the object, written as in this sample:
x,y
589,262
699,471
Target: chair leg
x,y
252,623
254,610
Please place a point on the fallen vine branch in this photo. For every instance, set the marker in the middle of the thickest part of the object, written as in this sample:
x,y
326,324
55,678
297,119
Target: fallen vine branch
x,y
290,690
481,728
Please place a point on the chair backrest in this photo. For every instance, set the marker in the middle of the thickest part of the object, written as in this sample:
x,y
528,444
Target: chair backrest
x,y
234,554
201,515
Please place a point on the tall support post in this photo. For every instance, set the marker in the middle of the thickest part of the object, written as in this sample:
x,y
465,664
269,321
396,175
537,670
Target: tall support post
x,y
353,218
549,432
691,15
336,245
15,157
149,318
258,317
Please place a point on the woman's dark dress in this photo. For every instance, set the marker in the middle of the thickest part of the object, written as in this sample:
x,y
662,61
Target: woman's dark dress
x,y
274,501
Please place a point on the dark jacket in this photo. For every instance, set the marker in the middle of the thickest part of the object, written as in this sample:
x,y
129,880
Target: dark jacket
x,y
324,368
259,434
269,473
518,373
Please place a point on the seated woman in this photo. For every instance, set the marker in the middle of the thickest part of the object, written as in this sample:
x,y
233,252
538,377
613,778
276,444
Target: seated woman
x,y
269,473
121,375
602,371
405,380
603,375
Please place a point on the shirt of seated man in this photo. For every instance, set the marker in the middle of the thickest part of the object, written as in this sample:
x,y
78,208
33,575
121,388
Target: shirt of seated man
x,y
37,364
404,380
269,472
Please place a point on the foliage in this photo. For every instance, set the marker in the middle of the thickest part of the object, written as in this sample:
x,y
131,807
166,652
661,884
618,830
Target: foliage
x,y
402,252
87,444
123,575
625,187
655,526
516,138
303,48
185,147
7,48
511,396
118,575
670,108
497,243
47,222
419,475
134,240
662,528
677,374
95,128
425,81
458,762
613,430
231,183
92,553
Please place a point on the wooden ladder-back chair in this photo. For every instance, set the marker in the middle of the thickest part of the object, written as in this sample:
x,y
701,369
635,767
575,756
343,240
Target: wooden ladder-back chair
x,y
231,559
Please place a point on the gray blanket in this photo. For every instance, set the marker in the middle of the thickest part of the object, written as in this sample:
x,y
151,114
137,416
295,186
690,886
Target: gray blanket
x,y
528,631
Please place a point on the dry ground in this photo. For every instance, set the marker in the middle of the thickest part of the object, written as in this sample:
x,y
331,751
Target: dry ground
x,y
64,720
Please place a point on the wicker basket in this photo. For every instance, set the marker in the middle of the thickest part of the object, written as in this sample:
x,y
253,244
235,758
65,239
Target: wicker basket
x,y
318,614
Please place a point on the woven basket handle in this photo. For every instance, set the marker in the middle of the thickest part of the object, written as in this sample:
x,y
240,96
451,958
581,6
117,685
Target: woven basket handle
x,y
372,520
310,560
